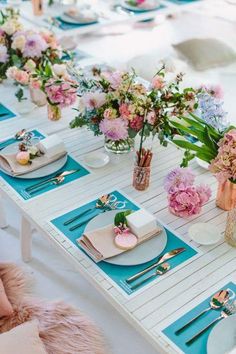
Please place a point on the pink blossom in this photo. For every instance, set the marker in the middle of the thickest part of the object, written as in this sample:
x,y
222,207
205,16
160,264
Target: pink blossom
x,y
114,129
179,178
35,45
3,54
62,93
185,202
158,82
204,193
136,123
20,76
224,165
124,111
35,84
93,100
110,113
114,78
214,90
151,117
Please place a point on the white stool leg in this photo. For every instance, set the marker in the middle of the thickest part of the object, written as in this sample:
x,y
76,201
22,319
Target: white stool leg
x,y
26,240
3,220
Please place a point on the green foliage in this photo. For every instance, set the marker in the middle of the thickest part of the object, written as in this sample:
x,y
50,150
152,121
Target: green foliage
x,y
20,95
120,218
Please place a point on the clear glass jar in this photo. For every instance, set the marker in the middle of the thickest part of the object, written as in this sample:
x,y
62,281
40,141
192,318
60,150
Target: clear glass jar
x,y
120,146
141,177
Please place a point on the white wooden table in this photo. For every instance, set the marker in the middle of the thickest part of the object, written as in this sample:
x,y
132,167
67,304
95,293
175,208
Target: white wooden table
x,y
178,291
107,15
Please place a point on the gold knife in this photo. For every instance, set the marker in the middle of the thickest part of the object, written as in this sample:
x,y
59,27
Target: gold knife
x,y
161,259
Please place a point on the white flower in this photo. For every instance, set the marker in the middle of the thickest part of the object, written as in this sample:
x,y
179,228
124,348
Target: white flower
x,y
10,73
30,65
60,70
19,43
11,26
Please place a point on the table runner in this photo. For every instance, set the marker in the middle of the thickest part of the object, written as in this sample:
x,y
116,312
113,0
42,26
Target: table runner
x,y
200,345
118,274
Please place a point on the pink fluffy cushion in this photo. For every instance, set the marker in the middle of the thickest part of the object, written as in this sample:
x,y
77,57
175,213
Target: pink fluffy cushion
x,y
23,339
5,306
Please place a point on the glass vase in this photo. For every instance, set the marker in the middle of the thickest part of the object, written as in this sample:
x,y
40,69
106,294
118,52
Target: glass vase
x,y
54,112
230,231
119,146
226,195
141,177
38,97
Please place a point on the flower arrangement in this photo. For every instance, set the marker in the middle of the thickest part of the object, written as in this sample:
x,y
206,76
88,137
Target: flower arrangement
x,y
184,198
117,105
22,49
145,4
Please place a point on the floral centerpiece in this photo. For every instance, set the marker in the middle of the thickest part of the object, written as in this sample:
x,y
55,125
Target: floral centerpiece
x,y
119,106
60,90
216,144
143,4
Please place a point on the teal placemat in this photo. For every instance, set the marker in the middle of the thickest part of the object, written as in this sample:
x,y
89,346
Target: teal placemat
x,y
182,2
200,345
5,113
76,54
69,26
20,184
119,273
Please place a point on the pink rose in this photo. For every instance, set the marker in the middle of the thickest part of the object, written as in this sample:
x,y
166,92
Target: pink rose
x,y
124,111
136,123
158,82
151,117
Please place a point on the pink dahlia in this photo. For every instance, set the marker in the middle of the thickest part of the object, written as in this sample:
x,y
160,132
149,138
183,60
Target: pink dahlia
x,y
185,202
114,129
35,45
179,178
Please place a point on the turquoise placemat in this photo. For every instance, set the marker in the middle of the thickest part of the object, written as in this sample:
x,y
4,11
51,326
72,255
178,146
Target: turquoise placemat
x,y
200,345
119,273
182,2
5,113
20,184
69,26
77,54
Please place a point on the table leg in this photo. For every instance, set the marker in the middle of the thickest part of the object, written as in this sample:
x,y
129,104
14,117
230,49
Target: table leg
x,y
3,220
26,240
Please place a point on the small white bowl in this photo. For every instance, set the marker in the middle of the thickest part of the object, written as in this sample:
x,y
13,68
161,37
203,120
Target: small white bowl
x,y
96,159
202,164
204,233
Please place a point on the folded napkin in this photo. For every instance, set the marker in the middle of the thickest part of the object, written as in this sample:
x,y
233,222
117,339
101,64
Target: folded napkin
x,y
9,164
100,245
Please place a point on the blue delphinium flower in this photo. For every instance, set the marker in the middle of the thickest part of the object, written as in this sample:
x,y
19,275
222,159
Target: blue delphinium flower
x,y
210,109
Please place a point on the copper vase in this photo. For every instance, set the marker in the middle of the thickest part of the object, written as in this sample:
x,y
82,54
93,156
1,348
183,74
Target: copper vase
x,y
141,177
226,195
54,112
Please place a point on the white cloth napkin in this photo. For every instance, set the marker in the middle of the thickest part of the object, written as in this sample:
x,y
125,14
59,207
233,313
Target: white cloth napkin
x,y
53,152
100,245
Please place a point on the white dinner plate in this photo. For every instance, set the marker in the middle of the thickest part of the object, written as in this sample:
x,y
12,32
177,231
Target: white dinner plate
x,y
41,172
222,338
96,159
202,164
126,6
204,233
140,254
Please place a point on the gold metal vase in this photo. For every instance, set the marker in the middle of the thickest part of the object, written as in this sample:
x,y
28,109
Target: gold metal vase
x,y
226,195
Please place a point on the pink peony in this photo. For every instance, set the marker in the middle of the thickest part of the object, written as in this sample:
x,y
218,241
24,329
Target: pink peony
x,y
204,193
179,178
93,100
114,129
62,93
3,54
20,76
158,82
136,123
185,202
